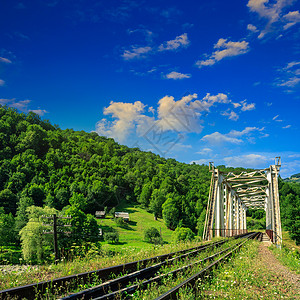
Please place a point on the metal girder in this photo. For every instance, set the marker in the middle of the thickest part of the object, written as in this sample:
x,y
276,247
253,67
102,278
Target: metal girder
x,y
231,194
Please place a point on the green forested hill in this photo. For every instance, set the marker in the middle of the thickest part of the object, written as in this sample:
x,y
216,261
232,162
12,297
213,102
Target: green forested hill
x,y
293,178
68,170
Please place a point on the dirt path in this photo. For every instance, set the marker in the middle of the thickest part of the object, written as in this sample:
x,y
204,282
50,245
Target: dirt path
x,y
280,271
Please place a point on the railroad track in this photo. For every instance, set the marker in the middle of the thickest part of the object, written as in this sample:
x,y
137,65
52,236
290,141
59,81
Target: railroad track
x,y
124,286
138,268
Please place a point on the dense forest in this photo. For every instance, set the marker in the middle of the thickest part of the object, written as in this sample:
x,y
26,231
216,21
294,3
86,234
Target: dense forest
x,y
46,170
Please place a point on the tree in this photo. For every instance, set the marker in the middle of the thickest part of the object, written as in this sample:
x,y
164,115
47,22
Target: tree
x,y
7,228
22,216
170,213
183,234
157,200
8,200
152,235
36,246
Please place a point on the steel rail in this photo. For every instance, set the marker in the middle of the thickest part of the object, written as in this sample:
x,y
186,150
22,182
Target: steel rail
x,y
98,294
145,273
32,291
173,293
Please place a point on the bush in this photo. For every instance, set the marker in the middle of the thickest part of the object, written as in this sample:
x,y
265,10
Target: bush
x,y
183,234
152,236
121,223
111,237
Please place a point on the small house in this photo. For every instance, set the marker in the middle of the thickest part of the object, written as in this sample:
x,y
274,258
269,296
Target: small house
x,y
100,214
123,215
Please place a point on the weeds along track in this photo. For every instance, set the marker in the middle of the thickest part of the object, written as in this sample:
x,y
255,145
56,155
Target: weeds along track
x,y
62,285
150,277
127,278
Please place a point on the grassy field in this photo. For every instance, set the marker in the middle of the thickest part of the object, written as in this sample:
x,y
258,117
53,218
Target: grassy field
x,y
133,234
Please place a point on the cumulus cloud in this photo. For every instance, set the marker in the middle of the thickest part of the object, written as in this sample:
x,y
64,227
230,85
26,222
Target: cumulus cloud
x,y
225,49
126,116
2,82
181,116
247,160
233,137
176,75
5,60
273,13
178,42
136,52
219,138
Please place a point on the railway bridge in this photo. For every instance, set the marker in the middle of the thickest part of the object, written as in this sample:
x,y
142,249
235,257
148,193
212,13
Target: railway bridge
x,y
231,195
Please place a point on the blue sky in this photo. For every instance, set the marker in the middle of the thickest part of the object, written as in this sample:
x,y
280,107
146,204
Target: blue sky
x,y
192,80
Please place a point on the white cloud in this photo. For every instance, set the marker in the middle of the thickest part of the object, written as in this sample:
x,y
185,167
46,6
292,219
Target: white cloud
x,y
272,12
22,106
231,115
246,131
179,41
227,49
252,28
219,138
176,75
246,161
236,105
233,136
290,75
39,112
2,82
287,126
5,60
291,82
274,118
246,106
202,161
293,17
136,52
205,151
292,64
125,114
182,116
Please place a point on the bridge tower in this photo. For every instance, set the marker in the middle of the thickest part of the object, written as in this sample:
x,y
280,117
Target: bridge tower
x,y
230,195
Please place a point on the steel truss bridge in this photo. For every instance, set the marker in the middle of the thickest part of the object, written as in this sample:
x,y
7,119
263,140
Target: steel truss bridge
x,y
231,195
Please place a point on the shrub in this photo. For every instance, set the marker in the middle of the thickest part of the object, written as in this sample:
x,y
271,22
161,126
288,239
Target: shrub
x,y
152,236
183,234
111,237
120,222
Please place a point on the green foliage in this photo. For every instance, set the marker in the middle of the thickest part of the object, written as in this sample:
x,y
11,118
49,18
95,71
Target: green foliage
x,y
290,208
121,222
170,213
112,237
152,235
10,255
7,228
48,165
8,200
183,234
36,246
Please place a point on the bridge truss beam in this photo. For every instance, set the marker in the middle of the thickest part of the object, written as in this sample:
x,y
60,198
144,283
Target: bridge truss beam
x,y
232,194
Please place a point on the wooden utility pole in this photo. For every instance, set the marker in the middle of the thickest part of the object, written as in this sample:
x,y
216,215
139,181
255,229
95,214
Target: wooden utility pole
x,y
55,237
55,231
